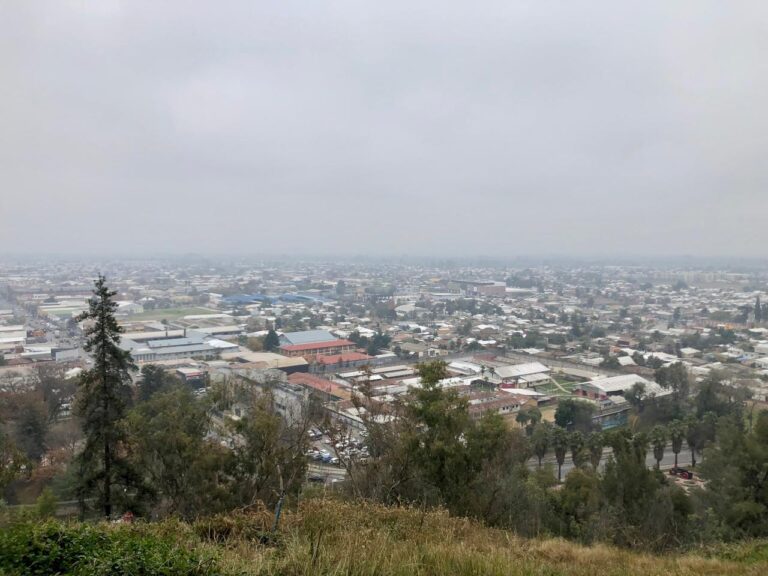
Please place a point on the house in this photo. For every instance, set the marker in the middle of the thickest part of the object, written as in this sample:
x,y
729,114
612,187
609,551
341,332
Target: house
x,y
482,403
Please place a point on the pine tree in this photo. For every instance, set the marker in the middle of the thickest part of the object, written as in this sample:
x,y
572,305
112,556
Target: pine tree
x,y
103,396
271,341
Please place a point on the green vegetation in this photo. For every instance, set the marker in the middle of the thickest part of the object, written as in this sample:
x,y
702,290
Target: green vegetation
x,y
331,537
85,550
271,341
153,380
432,475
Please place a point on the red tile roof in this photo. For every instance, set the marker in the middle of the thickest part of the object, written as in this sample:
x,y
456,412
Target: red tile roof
x,y
320,384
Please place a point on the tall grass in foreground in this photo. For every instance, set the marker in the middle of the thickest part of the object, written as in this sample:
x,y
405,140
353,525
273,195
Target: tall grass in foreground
x,y
331,537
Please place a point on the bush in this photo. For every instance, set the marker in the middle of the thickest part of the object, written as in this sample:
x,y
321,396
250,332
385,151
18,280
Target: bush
x,y
89,550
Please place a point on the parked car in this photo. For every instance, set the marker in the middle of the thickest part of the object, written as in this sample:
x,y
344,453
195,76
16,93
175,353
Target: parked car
x,y
681,473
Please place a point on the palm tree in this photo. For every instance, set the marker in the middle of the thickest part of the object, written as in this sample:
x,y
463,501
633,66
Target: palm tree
x,y
659,443
540,440
677,435
692,437
560,445
595,443
576,442
522,418
534,415
528,418
640,444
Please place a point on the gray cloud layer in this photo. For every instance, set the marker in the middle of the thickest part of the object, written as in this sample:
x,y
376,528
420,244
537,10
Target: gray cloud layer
x,y
493,128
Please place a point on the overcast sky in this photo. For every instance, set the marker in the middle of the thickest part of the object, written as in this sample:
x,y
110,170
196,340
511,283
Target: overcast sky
x,y
495,128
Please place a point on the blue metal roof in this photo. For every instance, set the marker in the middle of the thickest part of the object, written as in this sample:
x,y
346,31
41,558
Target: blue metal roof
x,y
244,298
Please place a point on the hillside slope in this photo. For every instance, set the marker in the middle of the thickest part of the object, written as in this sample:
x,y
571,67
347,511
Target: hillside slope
x,y
329,537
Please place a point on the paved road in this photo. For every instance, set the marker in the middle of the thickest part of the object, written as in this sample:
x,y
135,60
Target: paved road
x,y
683,460
328,473
331,474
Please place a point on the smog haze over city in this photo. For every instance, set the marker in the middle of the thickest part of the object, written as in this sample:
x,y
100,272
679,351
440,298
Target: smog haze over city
x,y
384,128
394,288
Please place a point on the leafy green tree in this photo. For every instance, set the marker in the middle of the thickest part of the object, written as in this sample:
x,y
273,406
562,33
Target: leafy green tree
x,y
167,436
54,388
579,501
438,449
716,397
560,445
269,460
699,433
376,343
433,453
659,442
11,461
644,510
637,396
46,504
271,341
155,379
676,379
736,470
31,426
103,397
575,414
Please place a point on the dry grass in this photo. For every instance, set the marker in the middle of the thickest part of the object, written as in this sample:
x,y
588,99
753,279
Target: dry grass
x,y
330,537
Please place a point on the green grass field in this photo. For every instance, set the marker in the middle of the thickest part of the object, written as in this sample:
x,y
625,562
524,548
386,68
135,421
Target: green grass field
x,y
562,388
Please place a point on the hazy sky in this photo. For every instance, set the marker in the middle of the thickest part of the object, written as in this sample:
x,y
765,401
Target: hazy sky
x,y
390,127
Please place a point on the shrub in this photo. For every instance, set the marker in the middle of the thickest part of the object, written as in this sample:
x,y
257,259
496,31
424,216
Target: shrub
x,y
94,550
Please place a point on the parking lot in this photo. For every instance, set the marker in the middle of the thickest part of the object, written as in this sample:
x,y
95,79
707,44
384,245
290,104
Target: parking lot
x,y
327,457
